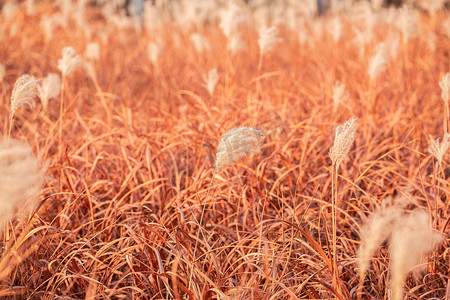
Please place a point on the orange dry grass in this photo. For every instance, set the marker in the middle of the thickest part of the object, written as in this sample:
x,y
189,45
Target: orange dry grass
x,y
120,208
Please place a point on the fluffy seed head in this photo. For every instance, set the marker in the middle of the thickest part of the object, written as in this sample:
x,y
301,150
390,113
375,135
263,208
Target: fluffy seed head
x,y
445,87
375,231
335,28
411,239
439,150
267,38
238,143
406,22
343,140
21,179
69,61
235,43
200,42
92,51
211,80
339,94
230,19
50,87
154,51
24,90
378,62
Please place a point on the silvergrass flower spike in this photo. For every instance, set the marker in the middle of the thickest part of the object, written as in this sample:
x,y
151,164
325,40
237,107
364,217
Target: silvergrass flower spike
x,y
210,80
24,90
445,87
69,61
439,150
267,38
343,140
21,179
238,143
50,87
411,237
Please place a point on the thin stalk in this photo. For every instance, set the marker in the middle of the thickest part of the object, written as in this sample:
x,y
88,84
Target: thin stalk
x,y
436,178
335,271
102,97
200,228
10,125
260,62
446,117
434,255
227,73
261,224
61,108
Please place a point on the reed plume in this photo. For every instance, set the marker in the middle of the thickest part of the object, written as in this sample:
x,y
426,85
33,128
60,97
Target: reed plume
x,y
237,143
377,229
335,28
24,91
445,87
406,22
410,235
235,43
154,50
69,61
92,51
343,140
50,87
437,149
230,18
411,239
339,94
21,179
267,39
210,81
378,61
200,43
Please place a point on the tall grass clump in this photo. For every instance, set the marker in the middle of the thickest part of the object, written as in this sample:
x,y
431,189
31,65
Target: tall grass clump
x,y
343,140
234,145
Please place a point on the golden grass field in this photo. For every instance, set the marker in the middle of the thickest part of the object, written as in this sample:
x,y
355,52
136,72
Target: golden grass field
x,y
131,143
